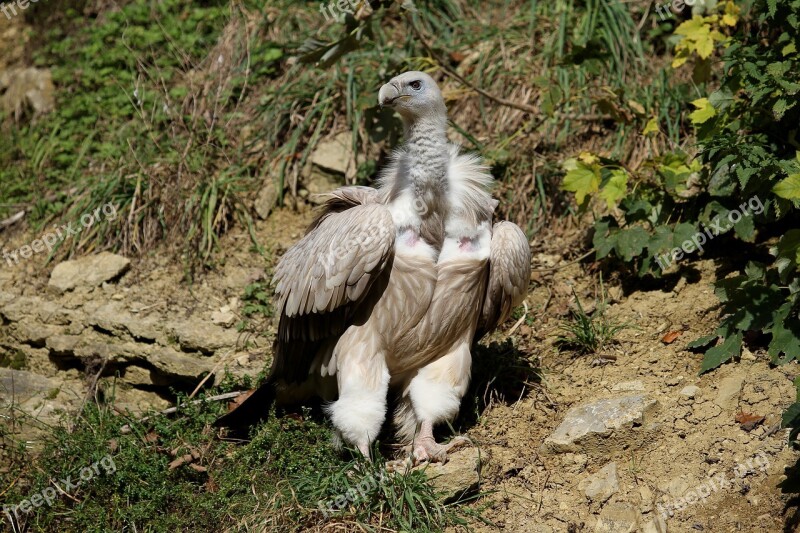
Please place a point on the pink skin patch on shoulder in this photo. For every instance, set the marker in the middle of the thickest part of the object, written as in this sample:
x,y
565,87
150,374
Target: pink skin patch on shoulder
x,y
467,245
410,238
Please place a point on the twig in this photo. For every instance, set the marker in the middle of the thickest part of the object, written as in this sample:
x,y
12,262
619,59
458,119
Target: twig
x,y
565,265
219,397
223,360
13,219
589,117
521,319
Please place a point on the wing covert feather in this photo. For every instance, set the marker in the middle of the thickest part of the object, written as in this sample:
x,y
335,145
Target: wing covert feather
x,y
336,263
509,275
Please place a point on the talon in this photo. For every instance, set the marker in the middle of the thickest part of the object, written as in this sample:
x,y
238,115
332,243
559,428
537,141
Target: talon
x,y
399,466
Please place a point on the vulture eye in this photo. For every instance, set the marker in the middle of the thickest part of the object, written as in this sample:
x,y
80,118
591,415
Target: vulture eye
x,y
416,85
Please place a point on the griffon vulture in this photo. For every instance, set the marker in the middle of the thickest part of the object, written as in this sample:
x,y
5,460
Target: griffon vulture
x,y
390,287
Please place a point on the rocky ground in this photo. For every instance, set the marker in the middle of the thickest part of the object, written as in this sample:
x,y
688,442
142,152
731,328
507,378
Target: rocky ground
x,y
627,439
635,440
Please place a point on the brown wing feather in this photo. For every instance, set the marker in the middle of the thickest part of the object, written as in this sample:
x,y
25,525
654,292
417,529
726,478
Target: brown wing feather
x,y
322,281
344,198
509,275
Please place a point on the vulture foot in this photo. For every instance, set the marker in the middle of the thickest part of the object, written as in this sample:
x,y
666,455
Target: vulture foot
x,y
426,449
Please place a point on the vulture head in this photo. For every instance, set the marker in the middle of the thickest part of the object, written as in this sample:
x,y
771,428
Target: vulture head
x,y
414,95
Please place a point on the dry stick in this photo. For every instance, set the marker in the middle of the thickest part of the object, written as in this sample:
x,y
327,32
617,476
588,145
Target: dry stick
x,y
565,265
502,101
13,219
219,397
223,360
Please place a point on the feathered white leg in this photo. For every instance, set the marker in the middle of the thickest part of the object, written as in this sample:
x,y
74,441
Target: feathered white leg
x,y
363,379
435,395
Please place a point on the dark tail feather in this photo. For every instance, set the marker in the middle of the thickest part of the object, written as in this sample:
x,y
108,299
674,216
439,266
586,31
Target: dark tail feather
x,y
251,411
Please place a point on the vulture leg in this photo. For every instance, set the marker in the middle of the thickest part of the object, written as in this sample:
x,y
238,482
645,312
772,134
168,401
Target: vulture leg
x,y
435,393
363,380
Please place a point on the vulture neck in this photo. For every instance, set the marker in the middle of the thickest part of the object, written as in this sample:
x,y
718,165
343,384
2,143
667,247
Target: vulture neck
x,y
420,202
427,149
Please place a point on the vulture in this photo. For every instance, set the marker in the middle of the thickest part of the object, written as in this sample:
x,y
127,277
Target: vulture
x,y
391,286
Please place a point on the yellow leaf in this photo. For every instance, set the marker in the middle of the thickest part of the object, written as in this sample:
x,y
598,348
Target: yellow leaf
x,y
704,111
588,158
681,57
731,16
788,188
697,36
651,127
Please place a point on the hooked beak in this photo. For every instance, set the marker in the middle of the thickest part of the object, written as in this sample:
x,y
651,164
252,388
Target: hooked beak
x,y
388,94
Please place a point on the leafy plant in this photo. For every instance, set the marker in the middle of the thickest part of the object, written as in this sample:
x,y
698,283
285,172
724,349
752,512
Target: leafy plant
x,y
742,188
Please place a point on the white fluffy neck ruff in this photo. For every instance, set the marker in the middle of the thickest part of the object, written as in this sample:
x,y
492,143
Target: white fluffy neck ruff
x,y
469,195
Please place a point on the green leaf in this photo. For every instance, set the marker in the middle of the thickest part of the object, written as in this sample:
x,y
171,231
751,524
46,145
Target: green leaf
x,y
615,188
581,179
605,236
631,242
745,228
791,417
785,336
651,127
702,342
716,356
788,188
787,254
683,232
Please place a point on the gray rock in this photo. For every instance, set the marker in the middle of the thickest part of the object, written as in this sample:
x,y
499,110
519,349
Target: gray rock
x,y
201,336
728,392
113,318
617,518
599,419
171,365
34,333
266,200
690,391
602,485
26,88
334,154
459,476
136,375
63,345
89,271
319,182
125,352
223,317
19,308
39,403
20,385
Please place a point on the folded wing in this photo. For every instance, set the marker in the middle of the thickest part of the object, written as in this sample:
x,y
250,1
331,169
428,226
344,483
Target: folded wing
x,y
322,281
509,275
